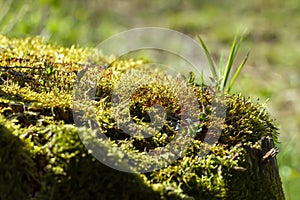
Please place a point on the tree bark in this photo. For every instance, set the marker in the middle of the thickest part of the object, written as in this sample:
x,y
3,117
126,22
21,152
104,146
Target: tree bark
x,y
260,178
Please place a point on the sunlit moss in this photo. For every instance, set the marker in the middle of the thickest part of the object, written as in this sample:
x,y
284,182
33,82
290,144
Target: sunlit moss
x,y
36,93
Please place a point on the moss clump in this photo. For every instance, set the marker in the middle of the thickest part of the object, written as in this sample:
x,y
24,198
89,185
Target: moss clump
x,y
19,176
36,93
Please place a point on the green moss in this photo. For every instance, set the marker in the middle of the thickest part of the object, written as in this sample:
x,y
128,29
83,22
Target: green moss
x,y
19,177
36,95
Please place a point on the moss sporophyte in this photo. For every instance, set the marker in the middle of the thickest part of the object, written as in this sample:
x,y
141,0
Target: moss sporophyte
x,y
50,161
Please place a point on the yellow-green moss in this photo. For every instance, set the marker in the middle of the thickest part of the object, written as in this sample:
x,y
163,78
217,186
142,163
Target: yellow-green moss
x,y
36,91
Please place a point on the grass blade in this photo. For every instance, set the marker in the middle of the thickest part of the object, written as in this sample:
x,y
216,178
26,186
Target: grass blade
x,y
209,57
221,80
221,65
234,49
229,62
236,74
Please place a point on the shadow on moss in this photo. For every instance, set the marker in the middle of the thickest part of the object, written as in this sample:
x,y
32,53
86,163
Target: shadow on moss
x,y
19,176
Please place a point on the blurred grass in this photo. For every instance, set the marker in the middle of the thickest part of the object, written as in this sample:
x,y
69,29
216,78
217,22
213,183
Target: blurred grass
x,y
273,37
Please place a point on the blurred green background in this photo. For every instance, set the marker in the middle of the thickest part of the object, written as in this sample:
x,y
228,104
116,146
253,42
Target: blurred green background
x,y
273,37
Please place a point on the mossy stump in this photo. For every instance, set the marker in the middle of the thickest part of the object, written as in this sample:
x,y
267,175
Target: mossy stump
x,y
42,156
